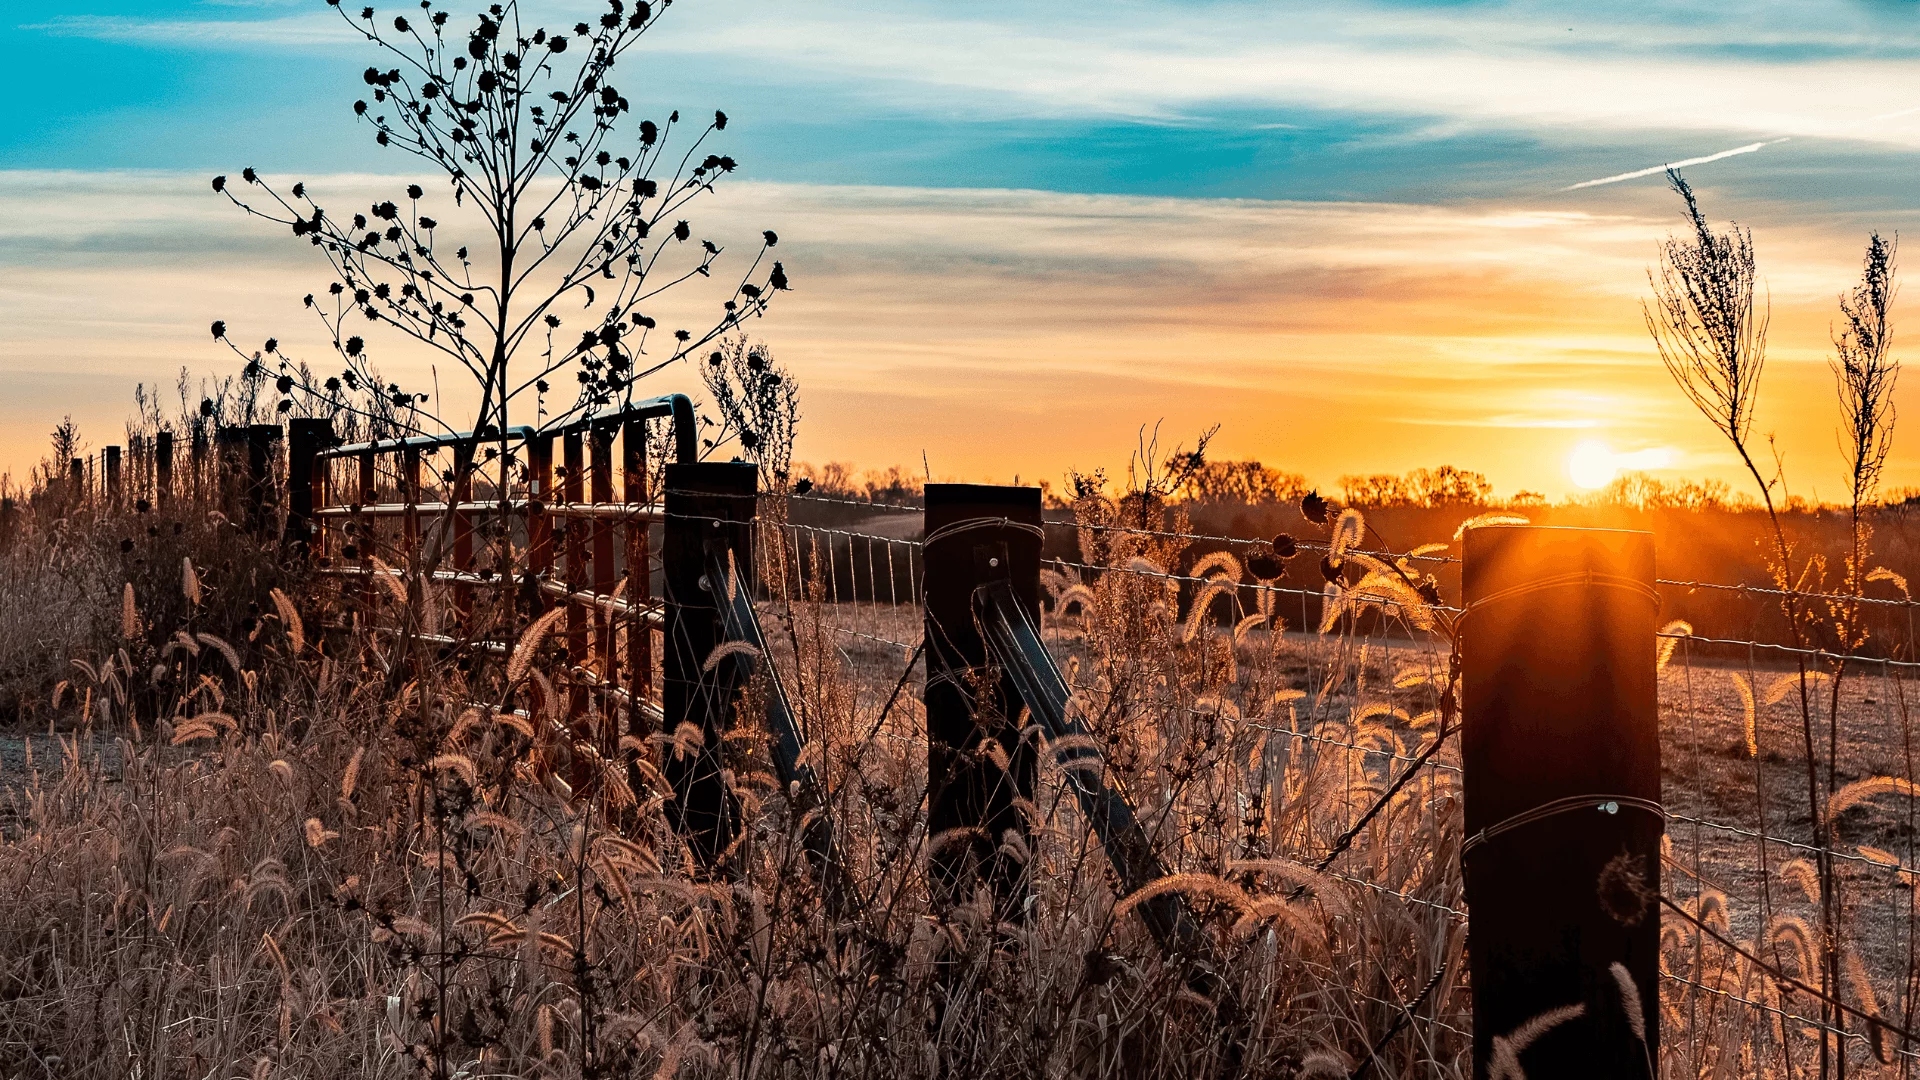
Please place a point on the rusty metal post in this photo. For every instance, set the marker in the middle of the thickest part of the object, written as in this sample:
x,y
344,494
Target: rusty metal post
x,y
365,534
708,505
639,555
600,493
573,488
1560,750
539,520
460,493
966,790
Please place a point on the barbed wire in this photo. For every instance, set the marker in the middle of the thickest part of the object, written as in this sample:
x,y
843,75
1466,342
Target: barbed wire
x,y
1838,853
1775,1010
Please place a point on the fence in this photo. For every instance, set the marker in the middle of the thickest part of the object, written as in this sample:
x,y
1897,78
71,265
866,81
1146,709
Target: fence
x,y
1354,758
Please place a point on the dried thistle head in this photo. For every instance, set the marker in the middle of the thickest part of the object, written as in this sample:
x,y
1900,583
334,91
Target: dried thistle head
x,y
1864,368
1704,321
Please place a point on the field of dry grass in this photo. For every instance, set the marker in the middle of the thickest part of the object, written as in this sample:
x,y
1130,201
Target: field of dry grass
x,y
280,846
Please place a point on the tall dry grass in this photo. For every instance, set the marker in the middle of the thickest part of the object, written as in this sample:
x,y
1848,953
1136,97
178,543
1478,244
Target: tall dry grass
x,y
324,851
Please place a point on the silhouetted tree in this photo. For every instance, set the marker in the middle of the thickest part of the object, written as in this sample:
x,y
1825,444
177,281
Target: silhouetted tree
x,y
567,197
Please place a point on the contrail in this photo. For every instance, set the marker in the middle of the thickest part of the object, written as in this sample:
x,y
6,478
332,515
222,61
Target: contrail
x,y
1638,173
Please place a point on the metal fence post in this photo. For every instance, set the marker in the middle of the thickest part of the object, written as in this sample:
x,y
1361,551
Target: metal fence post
x,y
1561,756
707,503
306,437
965,788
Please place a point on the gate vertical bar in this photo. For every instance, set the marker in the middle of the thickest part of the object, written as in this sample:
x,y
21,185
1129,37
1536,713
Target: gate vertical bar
x,y
409,501
573,485
539,520
1561,774
707,503
365,534
965,790
639,554
460,494
600,479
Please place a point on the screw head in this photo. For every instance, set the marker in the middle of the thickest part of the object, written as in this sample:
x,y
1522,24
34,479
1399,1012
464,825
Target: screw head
x,y
993,562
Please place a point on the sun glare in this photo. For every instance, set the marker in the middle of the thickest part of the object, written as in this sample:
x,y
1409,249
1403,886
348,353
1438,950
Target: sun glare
x,y
1592,465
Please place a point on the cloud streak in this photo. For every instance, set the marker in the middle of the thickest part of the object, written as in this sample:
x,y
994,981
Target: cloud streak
x,y
1652,170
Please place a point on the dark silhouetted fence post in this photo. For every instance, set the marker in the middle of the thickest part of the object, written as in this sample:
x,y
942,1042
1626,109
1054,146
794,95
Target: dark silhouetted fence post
x,y
163,468
306,437
1561,754
113,476
966,790
197,464
707,503
77,480
9,520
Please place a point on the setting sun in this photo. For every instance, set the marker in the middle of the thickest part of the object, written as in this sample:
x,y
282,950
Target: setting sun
x,y
1592,465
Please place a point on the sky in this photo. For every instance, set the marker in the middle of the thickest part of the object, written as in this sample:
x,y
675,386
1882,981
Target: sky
x,y
1359,237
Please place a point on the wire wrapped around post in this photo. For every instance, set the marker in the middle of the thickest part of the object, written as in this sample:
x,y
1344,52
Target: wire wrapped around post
x,y
1560,749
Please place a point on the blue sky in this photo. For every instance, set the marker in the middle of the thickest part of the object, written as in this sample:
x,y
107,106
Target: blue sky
x,y
1341,229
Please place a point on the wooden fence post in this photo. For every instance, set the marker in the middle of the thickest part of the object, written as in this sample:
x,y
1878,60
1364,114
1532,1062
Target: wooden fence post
x,y
197,464
1560,750
964,789
163,468
113,476
306,437
707,502
77,480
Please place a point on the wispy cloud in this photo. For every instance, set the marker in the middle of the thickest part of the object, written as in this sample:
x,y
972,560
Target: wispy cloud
x,y
1782,74
1008,331
282,31
1652,170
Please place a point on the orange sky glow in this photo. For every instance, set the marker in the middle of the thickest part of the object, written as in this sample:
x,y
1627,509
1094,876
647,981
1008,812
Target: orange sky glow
x,y
1005,333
